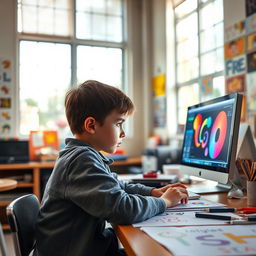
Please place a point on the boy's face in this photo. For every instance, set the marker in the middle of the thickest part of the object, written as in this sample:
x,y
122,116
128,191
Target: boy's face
x,y
108,137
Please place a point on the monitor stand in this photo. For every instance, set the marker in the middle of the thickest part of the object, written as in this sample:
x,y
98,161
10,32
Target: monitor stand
x,y
219,188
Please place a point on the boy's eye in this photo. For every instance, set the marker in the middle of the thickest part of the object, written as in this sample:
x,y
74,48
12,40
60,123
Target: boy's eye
x,y
119,124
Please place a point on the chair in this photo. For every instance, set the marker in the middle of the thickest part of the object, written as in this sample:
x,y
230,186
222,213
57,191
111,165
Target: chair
x,y
22,215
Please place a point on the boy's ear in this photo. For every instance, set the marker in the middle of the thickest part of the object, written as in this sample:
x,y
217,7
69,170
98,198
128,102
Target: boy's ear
x,y
89,125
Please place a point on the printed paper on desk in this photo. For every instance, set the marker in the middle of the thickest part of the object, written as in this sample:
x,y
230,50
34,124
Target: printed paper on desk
x,y
193,205
180,219
206,240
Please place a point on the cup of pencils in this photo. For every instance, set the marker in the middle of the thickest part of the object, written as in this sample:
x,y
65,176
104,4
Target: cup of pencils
x,y
248,167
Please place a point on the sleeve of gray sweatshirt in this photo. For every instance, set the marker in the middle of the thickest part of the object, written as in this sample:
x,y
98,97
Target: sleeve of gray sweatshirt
x,y
92,187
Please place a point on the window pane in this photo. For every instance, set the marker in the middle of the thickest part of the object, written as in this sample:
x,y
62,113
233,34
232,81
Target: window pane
x,y
187,96
207,15
99,63
188,70
185,8
187,49
99,20
208,63
219,34
45,17
45,73
207,41
219,60
182,31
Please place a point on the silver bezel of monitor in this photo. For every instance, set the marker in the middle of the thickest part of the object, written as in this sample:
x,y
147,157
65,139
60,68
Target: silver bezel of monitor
x,y
220,175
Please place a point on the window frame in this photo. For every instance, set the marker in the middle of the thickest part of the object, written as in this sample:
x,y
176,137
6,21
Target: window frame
x,y
74,42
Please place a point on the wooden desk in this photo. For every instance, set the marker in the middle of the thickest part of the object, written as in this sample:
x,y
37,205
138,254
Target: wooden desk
x,y
7,184
136,242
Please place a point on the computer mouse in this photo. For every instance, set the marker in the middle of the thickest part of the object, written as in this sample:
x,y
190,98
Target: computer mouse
x,y
235,193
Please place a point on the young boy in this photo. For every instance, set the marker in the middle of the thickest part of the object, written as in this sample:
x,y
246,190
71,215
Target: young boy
x,y
82,193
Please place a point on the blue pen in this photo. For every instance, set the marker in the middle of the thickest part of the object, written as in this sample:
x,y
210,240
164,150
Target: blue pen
x,y
220,210
251,218
214,216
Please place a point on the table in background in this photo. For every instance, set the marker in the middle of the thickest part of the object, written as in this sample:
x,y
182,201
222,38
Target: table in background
x,y
136,242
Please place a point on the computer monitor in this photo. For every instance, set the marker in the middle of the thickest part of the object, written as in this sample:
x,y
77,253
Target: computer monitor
x,y
210,140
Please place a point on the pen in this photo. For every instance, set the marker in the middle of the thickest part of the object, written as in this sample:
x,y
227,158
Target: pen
x,y
214,216
241,222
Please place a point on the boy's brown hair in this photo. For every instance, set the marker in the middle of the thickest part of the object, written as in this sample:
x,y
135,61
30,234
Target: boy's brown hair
x,y
94,99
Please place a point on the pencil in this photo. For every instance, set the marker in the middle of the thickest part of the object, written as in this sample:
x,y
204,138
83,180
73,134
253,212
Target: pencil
x,y
241,222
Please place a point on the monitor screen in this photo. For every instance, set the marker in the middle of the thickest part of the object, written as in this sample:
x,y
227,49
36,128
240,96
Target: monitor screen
x,y
14,151
210,138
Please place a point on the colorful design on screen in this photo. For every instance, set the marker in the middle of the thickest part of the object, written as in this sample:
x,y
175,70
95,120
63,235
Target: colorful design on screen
x,y
210,135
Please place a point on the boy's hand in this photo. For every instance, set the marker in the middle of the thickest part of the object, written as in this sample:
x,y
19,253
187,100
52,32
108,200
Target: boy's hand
x,y
157,192
175,194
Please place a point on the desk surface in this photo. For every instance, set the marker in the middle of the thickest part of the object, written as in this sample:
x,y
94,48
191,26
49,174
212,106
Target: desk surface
x,y
136,242
7,184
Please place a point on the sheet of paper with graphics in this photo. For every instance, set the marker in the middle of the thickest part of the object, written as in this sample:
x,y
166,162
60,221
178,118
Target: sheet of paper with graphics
x,y
181,219
206,240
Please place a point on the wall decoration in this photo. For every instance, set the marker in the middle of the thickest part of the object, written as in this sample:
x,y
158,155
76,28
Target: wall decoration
x,y
6,98
235,31
251,24
234,48
206,85
251,91
235,84
236,66
250,7
251,42
159,111
158,83
251,62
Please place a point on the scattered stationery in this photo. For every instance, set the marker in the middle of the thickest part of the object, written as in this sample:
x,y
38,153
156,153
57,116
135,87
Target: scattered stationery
x,y
245,210
206,240
181,219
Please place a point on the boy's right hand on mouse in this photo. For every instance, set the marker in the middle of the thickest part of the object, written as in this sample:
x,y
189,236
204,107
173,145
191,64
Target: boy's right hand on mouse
x,y
174,195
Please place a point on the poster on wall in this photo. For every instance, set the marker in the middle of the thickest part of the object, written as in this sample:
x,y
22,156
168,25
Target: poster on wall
x,y
250,7
235,66
250,24
251,42
5,98
234,48
251,91
251,62
235,31
206,86
160,112
235,84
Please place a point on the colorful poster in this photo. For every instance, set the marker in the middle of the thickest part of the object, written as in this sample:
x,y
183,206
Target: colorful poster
x,y
160,111
158,83
251,24
5,98
251,62
251,42
235,31
206,85
206,240
236,66
251,91
234,48
250,7
235,84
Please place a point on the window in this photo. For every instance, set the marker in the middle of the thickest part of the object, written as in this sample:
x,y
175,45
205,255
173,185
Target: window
x,y
63,43
199,53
